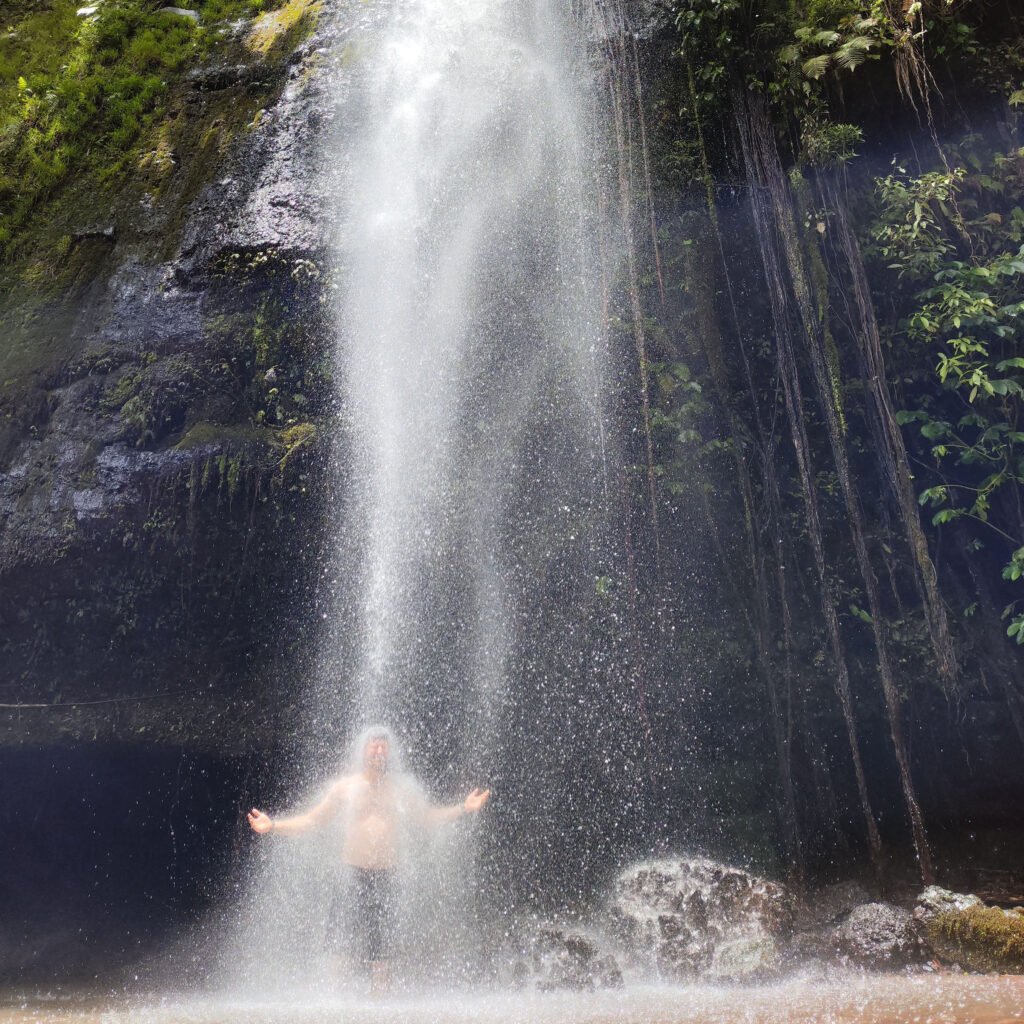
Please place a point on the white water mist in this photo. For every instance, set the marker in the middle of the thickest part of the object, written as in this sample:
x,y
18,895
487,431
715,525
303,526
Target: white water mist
x,y
472,374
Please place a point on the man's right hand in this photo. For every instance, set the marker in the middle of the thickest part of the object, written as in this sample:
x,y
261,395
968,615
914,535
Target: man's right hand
x,y
259,822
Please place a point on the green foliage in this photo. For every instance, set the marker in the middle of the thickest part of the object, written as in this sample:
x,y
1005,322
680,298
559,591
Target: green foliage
x,y
91,108
912,231
725,36
678,408
955,240
844,48
827,144
78,95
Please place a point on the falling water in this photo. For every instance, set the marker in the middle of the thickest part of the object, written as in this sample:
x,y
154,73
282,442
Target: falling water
x,y
471,352
475,457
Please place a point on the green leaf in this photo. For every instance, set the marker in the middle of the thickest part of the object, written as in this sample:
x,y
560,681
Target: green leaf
x,y
933,495
861,614
816,66
934,429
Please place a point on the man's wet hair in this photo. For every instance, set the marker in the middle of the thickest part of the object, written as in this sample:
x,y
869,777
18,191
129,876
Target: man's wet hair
x,y
357,748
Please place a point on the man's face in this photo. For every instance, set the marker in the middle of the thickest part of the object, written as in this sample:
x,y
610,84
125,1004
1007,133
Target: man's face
x,y
375,755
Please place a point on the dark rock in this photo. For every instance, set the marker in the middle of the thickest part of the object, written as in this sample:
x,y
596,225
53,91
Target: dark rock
x,y
878,935
560,960
107,231
830,904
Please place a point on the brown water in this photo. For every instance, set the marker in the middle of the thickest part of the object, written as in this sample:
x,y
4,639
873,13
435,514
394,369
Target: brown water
x,y
853,999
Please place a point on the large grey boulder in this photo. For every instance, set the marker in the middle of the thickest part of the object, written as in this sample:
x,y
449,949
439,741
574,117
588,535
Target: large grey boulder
x,y
695,917
878,935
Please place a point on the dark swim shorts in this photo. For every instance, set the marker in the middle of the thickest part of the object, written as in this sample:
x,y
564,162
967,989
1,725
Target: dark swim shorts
x,y
365,914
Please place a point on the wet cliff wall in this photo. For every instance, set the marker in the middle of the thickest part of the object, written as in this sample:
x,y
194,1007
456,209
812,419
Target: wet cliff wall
x,y
166,405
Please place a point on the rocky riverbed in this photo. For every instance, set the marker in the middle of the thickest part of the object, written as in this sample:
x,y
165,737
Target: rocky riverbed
x,y
697,920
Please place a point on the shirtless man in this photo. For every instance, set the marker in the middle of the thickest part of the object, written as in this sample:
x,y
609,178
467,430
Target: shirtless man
x,y
375,805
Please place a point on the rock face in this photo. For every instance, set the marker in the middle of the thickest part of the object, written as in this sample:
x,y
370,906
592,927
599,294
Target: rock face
x,y
171,429
698,918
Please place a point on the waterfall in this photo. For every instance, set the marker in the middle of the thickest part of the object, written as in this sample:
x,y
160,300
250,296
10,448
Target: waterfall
x,y
470,354
476,467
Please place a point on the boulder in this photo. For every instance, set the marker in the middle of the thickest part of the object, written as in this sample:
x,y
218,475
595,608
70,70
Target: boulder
x,y
696,917
746,958
563,960
878,935
959,929
829,905
935,901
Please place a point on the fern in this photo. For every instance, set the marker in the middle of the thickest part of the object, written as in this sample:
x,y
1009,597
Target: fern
x,y
853,52
817,66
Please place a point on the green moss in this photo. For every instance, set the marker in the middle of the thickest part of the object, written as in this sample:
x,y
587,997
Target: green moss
x,y
87,101
294,438
277,29
215,433
86,98
981,938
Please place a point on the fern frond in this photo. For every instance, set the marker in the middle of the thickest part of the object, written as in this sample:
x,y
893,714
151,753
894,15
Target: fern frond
x,y
853,52
817,66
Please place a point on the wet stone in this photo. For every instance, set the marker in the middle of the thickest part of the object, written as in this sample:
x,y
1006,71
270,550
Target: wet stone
x,y
936,900
695,917
566,961
880,936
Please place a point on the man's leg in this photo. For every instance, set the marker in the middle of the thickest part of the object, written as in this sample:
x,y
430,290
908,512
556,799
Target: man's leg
x,y
380,930
380,977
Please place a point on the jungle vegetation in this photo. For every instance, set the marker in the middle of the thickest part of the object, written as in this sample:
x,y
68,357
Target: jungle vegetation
x,y
830,373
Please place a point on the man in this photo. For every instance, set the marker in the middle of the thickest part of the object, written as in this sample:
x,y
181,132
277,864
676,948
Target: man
x,y
379,807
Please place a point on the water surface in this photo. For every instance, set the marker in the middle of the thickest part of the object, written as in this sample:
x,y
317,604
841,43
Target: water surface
x,y
864,999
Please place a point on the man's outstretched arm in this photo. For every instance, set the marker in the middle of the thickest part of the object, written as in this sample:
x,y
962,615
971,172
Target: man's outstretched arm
x,y
296,824
471,805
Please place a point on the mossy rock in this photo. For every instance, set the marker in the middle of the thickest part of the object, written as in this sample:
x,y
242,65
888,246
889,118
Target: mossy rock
x,y
984,939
